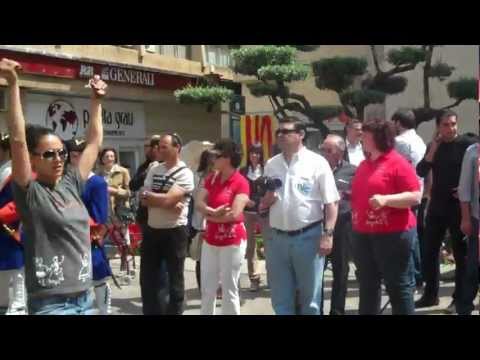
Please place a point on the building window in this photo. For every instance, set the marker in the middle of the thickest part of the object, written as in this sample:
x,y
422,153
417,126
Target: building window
x,y
178,51
218,55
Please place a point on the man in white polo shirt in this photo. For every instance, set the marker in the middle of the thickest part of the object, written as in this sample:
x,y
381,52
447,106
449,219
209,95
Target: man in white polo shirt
x,y
411,147
354,154
304,190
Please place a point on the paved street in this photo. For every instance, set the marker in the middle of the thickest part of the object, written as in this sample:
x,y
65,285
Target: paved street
x,y
127,301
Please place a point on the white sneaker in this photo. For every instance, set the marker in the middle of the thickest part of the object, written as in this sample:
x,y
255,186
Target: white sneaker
x,y
21,311
451,309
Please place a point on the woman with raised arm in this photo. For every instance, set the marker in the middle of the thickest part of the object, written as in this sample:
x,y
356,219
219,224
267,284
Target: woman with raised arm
x,y
55,222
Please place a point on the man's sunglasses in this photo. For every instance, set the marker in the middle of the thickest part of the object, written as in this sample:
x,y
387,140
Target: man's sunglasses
x,y
217,155
285,132
52,154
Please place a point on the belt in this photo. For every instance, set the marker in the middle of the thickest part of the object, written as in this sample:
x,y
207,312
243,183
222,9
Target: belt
x,y
299,231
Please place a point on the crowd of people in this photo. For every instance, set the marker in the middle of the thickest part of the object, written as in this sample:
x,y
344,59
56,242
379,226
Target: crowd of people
x,y
377,197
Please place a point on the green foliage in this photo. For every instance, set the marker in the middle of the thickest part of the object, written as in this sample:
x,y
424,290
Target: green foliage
x,y
441,71
338,73
390,85
208,95
321,113
463,88
260,89
406,55
306,48
285,73
248,60
362,98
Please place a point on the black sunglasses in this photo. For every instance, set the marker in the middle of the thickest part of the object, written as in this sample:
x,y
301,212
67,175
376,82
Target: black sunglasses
x,y
285,132
51,154
217,155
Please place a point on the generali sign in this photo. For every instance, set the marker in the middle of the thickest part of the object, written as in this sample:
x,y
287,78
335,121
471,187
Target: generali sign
x,y
72,69
121,75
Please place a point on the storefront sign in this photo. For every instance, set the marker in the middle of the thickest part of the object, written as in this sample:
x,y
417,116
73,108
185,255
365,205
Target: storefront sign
x,y
71,69
121,75
70,116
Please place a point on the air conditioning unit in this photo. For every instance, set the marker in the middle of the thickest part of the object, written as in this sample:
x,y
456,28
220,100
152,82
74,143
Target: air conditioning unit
x,y
3,100
151,48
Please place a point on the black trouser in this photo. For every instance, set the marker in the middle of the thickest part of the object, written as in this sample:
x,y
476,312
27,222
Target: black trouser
x,y
159,246
340,258
421,240
435,229
198,275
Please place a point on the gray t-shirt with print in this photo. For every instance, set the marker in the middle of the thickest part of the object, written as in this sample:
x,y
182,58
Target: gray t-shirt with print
x,y
56,236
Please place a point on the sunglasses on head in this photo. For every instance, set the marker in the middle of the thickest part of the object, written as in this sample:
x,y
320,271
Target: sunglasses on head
x,y
51,154
285,131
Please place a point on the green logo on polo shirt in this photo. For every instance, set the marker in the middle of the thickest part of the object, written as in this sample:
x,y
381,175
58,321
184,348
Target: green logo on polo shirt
x,y
304,188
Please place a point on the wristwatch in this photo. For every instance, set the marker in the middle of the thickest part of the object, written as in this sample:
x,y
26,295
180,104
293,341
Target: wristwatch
x,y
328,232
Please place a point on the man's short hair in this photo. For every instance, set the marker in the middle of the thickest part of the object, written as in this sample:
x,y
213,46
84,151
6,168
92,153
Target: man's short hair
x,y
154,137
352,122
339,141
445,114
406,118
298,124
176,140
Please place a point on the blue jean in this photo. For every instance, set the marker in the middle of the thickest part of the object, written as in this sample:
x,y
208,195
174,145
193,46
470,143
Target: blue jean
x,y
62,305
388,257
293,264
464,302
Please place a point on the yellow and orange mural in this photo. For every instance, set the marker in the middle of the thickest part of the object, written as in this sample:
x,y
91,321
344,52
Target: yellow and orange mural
x,y
258,129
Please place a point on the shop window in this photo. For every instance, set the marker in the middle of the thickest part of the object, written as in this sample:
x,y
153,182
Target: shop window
x,y
178,51
128,160
218,55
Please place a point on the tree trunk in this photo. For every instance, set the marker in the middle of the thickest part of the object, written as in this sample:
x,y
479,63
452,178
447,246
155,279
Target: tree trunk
x,y
360,109
320,125
426,77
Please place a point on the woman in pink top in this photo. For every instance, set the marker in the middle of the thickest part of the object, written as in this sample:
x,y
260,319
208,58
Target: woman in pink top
x,y
222,201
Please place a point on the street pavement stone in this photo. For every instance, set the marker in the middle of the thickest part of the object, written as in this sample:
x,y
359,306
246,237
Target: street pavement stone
x,y
127,301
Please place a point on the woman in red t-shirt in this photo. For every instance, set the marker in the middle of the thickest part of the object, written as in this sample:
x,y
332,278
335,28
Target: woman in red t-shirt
x,y
222,201
384,189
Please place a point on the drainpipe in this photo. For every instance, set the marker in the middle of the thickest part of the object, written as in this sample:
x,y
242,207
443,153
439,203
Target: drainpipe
x,y
205,64
204,57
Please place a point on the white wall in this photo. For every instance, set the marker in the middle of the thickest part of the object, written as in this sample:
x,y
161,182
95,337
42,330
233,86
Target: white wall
x,y
465,59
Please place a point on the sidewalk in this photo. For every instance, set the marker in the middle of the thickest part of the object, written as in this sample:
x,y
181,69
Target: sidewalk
x,y
127,301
